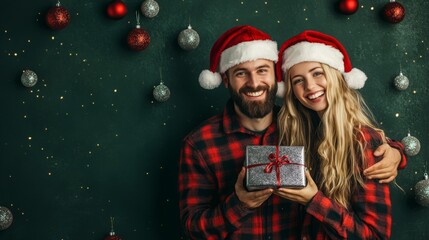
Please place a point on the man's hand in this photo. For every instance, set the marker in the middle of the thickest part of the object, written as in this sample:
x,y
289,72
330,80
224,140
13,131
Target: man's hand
x,y
387,168
303,195
250,199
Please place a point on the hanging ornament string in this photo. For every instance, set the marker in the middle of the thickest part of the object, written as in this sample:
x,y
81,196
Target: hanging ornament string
x,y
161,93
138,39
112,235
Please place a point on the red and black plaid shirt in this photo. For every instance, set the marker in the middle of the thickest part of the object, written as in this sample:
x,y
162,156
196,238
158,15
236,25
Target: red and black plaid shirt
x,y
370,213
211,158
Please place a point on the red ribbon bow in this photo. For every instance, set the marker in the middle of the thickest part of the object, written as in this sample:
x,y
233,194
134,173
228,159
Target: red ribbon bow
x,y
277,162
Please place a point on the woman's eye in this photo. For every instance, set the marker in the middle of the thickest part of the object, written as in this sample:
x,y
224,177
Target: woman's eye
x,y
316,74
296,81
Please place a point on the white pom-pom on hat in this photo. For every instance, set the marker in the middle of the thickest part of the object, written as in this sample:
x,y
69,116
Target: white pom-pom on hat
x,y
355,78
280,89
209,80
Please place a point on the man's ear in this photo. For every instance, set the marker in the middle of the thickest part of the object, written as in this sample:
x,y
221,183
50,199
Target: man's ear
x,y
225,79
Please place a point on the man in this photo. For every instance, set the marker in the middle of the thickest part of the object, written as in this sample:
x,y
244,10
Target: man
x,y
214,204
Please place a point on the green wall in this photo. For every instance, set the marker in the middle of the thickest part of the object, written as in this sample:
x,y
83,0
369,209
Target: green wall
x,y
101,145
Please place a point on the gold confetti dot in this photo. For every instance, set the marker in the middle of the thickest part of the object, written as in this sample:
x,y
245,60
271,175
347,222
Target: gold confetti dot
x,y
397,115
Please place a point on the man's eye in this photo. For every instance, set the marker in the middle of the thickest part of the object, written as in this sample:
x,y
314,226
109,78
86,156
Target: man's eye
x,y
239,74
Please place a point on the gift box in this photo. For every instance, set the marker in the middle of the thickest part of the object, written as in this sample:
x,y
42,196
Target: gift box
x,y
275,167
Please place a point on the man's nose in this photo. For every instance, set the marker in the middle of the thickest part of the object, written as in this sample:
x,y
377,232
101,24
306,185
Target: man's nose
x,y
252,80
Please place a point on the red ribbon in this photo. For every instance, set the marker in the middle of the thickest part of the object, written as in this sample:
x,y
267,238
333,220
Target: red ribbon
x,y
277,162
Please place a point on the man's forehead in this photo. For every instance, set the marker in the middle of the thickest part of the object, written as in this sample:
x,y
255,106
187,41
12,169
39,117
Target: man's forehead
x,y
258,63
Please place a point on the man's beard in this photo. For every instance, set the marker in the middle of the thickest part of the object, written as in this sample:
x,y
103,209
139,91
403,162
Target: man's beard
x,y
255,109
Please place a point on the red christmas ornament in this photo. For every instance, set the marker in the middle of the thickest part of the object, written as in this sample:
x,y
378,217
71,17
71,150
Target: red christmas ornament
x,y
57,17
394,12
138,39
112,235
348,6
117,9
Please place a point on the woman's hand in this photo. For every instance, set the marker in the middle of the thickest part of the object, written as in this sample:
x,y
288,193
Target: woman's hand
x,y
303,195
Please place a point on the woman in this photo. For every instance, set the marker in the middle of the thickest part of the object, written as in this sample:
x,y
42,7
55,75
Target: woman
x,y
323,112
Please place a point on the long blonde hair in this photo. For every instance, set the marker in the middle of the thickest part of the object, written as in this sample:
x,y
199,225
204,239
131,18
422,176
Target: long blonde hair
x,y
333,147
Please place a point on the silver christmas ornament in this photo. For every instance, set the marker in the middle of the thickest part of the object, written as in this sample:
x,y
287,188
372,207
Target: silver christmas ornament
x,y
6,218
411,144
188,39
421,191
401,82
149,8
161,93
28,78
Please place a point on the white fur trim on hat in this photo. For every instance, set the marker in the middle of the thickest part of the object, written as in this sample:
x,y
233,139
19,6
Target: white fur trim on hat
x,y
248,51
209,80
355,78
312,52
280,89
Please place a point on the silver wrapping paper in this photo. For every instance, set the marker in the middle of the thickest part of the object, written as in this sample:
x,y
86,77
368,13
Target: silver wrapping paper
x,y
291,175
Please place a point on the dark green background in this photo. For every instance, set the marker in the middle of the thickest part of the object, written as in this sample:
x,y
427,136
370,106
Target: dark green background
x,y
101,146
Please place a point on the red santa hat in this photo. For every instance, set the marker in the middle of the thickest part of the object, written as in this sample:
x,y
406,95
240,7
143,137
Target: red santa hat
x,y
313,46
237,45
